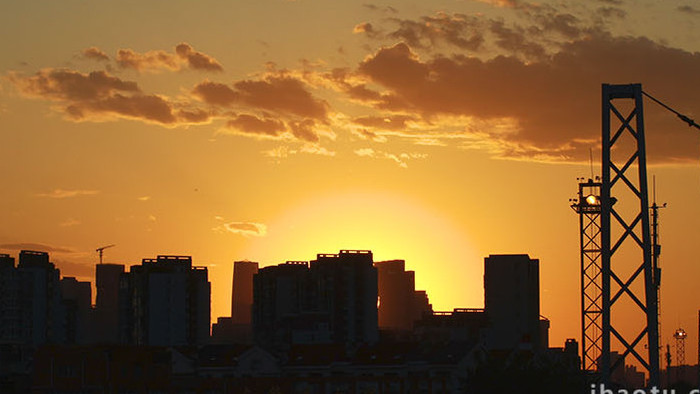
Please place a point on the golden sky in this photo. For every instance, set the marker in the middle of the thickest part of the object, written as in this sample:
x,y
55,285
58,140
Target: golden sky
x,y
436,132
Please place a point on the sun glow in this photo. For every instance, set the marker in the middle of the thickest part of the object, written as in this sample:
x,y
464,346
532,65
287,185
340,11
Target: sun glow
x,y
392,227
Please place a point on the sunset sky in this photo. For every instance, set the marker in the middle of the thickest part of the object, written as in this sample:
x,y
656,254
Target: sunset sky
x,y
438,132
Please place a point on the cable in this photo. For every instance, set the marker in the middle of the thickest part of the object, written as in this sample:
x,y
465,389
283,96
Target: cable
x,y
690,122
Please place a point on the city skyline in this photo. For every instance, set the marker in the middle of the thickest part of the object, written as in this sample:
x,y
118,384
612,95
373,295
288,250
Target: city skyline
x,y
273,131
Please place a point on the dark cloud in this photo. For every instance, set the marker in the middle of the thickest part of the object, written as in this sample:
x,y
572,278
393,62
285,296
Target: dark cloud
x,y
515,40
151,108
281,94
197,60
216,93
305,130
612,12
98,96
95,53
249,124
61,84
555,101
367,29
460,30
687,9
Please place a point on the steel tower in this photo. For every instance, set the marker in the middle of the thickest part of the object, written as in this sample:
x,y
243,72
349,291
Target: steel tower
x,y
629,283
587,205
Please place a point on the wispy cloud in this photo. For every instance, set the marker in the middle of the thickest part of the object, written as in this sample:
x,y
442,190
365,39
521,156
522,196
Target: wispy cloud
x,y
283,151
95,53
37,247
247,229
401,158
154,61
70,222
61,193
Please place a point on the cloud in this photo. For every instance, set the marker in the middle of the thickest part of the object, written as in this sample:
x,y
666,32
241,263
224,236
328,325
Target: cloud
x,y
70,222
216,93
150,108
401,158
555,102
612,12
275,106
249,124
154,61
688,9
62,84
60,193
365,28
305,130
460,30
95,53
283,151
197,60
144,198
281,94
148,61
284,95
391,122
99,96
36,247
247,229
501,3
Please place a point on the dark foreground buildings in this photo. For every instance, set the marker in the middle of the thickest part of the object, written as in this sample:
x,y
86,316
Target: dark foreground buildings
x,y
330,300
164,302
341,323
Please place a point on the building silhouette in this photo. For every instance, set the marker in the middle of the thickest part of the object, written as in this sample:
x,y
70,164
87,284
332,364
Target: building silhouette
x,y
512,302
332,299
42,313
77,301
400,305
107,302
242,291
164,302
10,317
239,327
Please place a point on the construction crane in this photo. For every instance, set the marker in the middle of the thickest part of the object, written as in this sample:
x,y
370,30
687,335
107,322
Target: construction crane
x,y
101,250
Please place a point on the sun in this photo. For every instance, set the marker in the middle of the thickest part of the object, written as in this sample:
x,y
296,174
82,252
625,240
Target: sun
x,y
447,266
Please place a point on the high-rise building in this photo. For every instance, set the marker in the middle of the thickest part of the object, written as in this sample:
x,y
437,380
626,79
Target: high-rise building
x,y
10,317
165,302
107,302
242,291
400,305
283,307
41,309
332,299
512,301
77,301
348,287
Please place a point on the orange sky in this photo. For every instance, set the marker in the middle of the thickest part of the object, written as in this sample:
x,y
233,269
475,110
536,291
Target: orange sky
x,y
438,132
